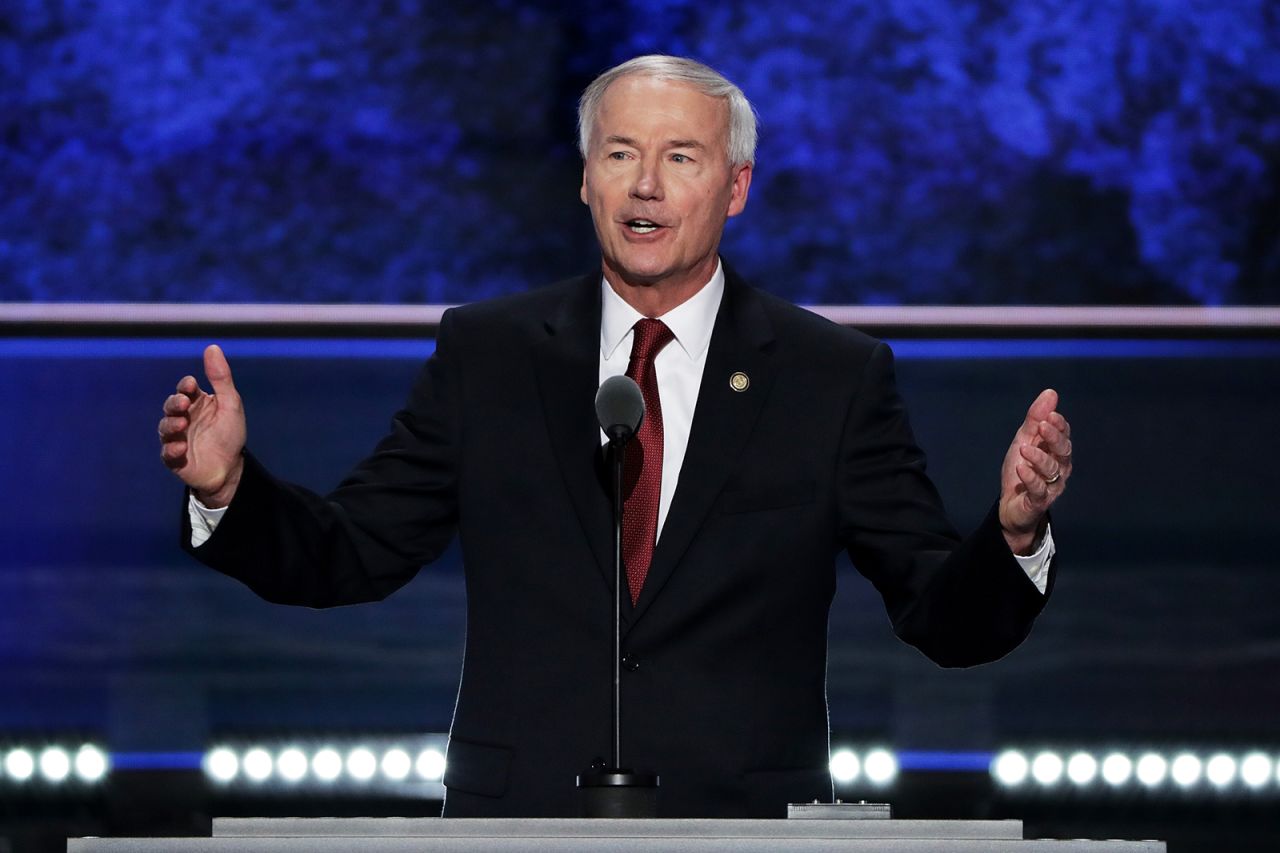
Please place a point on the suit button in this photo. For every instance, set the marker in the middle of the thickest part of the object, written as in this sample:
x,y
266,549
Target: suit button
x,y
630,662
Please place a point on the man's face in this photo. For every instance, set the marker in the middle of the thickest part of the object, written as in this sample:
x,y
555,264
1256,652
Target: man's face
x,y
659,183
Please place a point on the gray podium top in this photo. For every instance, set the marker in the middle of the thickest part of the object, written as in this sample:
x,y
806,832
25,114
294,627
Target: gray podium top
x,y
529,835
478,844
435,827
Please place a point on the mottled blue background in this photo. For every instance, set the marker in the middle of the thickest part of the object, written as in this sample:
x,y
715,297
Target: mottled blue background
x,y
949,151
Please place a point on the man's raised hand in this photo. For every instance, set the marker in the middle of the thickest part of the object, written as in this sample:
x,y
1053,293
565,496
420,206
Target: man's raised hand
x,y
1035,472
202,435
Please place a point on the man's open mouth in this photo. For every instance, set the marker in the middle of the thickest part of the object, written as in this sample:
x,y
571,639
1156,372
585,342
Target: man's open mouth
x,y
643,226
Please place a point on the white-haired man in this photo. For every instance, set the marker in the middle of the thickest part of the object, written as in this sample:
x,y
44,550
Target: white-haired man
x,y
772,440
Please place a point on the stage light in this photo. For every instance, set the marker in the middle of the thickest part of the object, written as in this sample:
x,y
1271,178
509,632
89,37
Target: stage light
x,y
1221,770
91,763
1186,770
880,766
1152,769
257,764
361,764
327,765
222,764
845,766
1047,768
1255,770
340,766
1082,768
55,764
20,764
292,764
396,764
1010,768
430,765
1116,769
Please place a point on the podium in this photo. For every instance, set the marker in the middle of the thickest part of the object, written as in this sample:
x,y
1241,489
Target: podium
x,y
578,835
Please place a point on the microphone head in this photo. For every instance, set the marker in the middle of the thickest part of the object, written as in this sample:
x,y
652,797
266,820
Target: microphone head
x,y
619,407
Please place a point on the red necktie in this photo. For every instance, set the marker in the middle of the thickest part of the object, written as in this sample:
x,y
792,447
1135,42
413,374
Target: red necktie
x,y
643,474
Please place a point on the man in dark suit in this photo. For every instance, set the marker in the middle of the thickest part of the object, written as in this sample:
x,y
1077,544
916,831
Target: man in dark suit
x,y
773,439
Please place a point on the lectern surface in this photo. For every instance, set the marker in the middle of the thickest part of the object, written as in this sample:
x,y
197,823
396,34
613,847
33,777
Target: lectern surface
x,y
674,843
434,827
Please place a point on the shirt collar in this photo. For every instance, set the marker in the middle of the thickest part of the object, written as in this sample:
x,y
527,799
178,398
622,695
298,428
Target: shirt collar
x,y
691,321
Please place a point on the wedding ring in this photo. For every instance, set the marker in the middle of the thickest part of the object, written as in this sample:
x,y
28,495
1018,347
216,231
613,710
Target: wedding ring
x,y
1057,475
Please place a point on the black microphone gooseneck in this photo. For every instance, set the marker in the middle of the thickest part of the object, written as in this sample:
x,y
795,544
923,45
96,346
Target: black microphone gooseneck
x,y
614,791
620,410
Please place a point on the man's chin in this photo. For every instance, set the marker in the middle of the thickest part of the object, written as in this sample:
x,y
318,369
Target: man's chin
x,y
640,275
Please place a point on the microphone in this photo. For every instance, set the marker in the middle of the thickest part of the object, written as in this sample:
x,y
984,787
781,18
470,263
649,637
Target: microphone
x,y
610,790
619,408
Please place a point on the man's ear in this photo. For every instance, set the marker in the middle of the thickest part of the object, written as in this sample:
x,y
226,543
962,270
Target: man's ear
x,y
582,193
738,191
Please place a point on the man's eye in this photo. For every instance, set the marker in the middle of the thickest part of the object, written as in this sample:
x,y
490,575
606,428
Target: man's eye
x,y
618,155
681,158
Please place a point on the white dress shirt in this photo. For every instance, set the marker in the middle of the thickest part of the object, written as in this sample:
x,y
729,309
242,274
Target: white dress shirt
x,y
679,368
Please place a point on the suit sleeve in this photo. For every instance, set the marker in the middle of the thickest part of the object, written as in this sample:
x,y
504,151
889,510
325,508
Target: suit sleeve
x,y
395,511
961,601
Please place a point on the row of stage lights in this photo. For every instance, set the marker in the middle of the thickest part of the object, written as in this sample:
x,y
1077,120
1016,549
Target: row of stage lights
x,y
417,766
1254,771
329,765
325,765
878,767
53,765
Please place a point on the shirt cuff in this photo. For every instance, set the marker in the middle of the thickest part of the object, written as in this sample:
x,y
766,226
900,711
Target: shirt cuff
x,y
203,521
1035,565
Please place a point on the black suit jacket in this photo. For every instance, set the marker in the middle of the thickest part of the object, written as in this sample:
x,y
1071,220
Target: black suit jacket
x,y
724,684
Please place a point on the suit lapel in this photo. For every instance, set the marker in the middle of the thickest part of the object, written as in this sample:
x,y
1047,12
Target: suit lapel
x,y
567,364
722,422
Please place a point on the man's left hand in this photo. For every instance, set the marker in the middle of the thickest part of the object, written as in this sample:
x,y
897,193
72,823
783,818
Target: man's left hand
x,y
1035,473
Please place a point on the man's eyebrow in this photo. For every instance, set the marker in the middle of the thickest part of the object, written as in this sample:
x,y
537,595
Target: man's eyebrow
x,y
615,139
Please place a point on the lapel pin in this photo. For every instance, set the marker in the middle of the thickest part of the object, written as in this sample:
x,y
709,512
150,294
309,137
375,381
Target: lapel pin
x,y
739,381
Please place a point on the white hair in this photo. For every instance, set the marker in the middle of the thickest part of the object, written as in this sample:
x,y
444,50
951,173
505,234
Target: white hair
x,y
708,81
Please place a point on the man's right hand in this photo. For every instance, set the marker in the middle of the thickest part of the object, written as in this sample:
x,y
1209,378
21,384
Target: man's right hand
x,y
202,435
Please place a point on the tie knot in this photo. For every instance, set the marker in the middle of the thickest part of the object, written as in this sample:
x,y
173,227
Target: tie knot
x,y
650,337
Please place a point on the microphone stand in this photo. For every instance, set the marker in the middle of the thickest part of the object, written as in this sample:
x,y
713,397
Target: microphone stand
x,y
618,445
615,791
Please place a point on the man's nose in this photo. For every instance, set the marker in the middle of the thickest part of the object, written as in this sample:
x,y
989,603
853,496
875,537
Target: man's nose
x,y
648,181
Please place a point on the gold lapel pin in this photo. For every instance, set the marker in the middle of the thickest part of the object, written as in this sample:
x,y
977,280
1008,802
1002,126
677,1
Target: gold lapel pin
x,y
739,381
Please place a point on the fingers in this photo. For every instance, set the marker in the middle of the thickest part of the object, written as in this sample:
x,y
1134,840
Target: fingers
x,y
1036,489
174,453
1040,458
1045,427
1057,421
1042,410
188,385
177,404
173,437
178,407
1044,405
173,426
1044,472
1054,439
218,371
1046,466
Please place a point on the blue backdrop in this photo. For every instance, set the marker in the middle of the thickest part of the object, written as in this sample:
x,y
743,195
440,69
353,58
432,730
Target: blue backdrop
x,y
951,151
